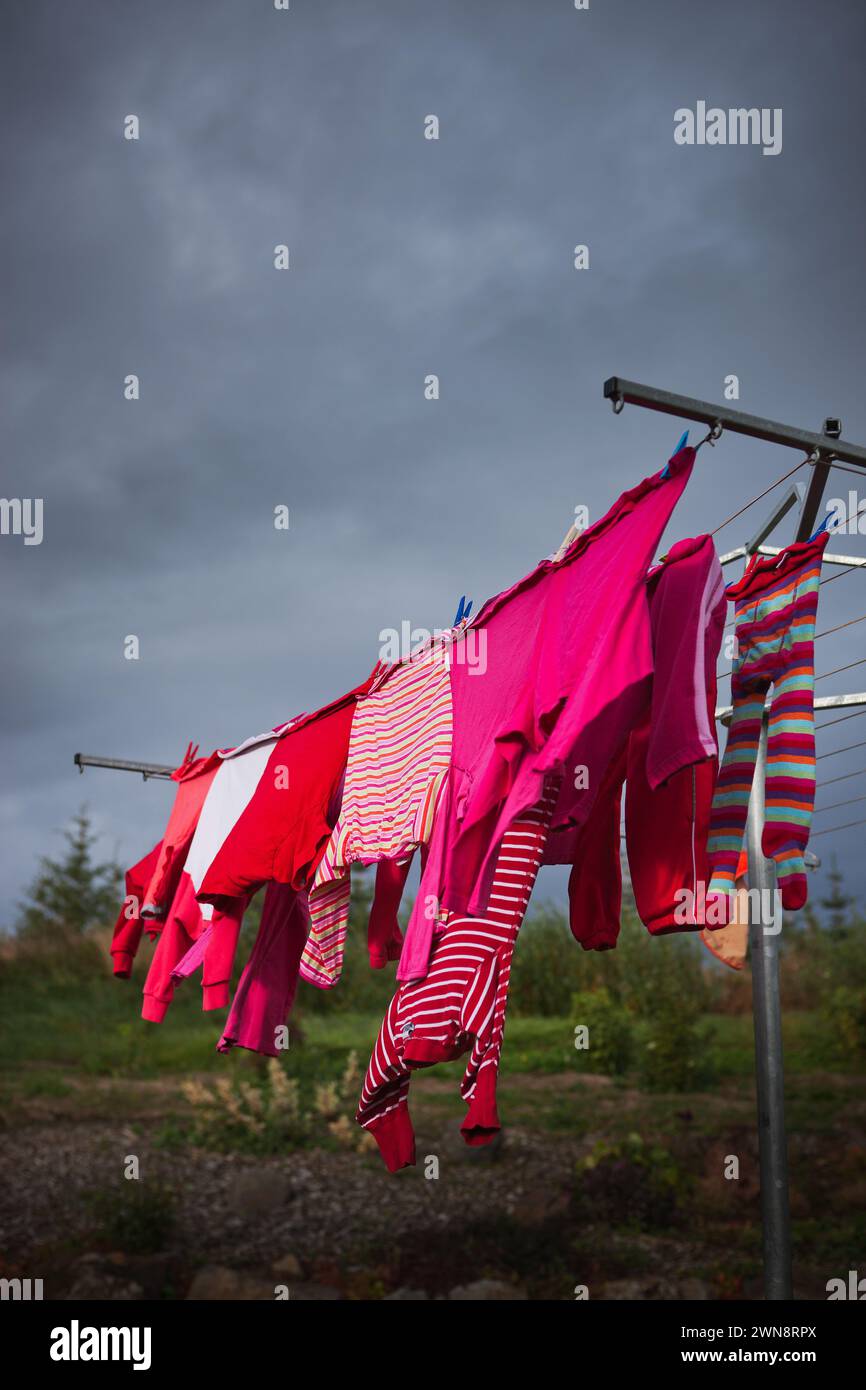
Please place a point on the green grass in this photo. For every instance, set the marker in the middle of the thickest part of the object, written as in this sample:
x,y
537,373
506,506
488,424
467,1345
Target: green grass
x,y
92,1026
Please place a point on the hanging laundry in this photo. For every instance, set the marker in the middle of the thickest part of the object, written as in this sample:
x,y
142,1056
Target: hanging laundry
x,y
775,607
274,804
568,655
194,779
460,1006
384,937
266,991
184,925
729,943
237,778
267,816
126,937
398,757
669,763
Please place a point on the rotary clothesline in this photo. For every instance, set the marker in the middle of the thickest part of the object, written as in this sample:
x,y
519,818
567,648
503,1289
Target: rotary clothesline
x,y
823,451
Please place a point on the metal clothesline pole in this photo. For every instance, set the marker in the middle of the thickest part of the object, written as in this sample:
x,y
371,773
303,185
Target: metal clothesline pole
x,y
764,942
764,937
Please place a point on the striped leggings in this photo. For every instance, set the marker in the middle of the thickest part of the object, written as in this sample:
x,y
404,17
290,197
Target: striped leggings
x,y
459,1006
776,604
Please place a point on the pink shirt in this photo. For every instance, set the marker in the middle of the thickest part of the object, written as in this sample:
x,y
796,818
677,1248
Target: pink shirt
x,y
567,654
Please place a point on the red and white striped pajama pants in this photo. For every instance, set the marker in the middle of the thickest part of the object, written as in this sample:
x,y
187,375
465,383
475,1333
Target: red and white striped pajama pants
x,y
460,1004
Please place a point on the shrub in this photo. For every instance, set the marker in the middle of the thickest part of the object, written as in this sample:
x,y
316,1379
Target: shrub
x,y
549,967
271,1113
135,1216
629,1183
845,1012
610,1028
671,1056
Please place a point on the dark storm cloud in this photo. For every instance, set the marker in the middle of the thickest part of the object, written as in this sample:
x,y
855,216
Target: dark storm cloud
x,y
408,257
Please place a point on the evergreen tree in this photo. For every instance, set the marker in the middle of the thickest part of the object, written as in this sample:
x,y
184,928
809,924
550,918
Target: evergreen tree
x,y
71,894
837,902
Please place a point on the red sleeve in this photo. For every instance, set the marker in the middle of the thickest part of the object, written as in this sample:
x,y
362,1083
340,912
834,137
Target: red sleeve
x,y
384,937
126,936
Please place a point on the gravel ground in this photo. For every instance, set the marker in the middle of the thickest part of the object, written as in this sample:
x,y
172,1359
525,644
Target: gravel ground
x,y
322,1206
498,1222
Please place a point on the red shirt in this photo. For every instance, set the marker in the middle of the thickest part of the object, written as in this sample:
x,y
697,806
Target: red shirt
x,y
193,781
281,833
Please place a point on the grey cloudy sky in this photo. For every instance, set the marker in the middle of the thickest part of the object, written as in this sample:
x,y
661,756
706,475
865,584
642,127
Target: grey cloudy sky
x,y
408,257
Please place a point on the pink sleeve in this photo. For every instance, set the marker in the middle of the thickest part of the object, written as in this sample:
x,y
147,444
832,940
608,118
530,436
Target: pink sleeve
x,y
418,941
219,956
183,924
686,638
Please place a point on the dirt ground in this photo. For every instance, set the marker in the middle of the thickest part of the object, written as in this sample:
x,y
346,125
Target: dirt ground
x,y
508,1221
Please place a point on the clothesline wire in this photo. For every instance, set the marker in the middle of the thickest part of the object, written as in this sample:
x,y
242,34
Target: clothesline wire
x,y
734,516
849,569
846,777
850,623
841,720
846,749
831,830
837,669
852,800
858,473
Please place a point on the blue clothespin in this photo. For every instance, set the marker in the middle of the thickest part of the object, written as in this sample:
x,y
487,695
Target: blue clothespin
x,y
463,611
684,439
823,526
681,445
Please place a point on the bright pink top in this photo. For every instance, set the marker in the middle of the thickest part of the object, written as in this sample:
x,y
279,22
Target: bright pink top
x,y
565,669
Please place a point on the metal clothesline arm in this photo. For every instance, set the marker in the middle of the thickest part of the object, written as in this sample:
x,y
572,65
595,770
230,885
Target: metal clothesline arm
x,y
741,551
164,770
618,389
724,712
